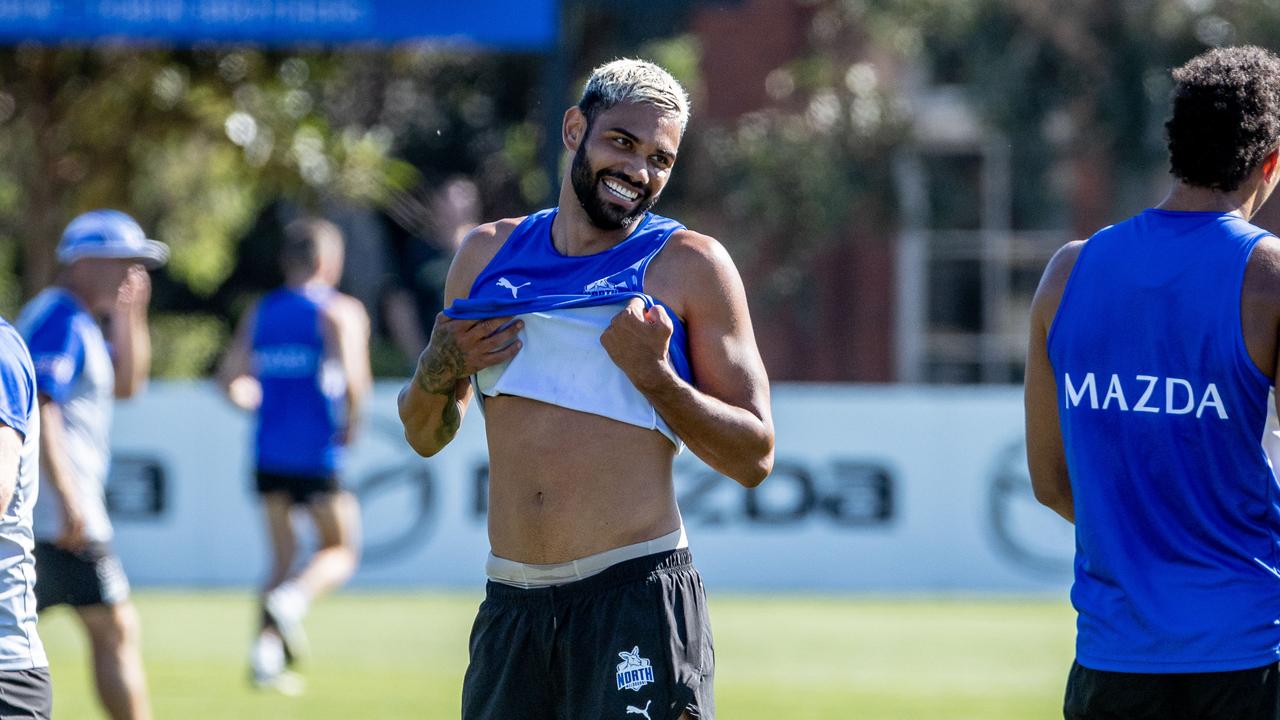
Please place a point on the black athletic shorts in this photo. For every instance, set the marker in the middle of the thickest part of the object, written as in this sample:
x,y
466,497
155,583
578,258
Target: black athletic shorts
x,y
1237,695
631,642
26,694
92,576
301,488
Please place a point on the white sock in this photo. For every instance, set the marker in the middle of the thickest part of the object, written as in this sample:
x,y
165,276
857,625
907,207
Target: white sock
x,y
267,656
292,598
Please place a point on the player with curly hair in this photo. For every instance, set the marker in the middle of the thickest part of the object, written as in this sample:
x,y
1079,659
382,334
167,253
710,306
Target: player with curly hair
x,y
1154,345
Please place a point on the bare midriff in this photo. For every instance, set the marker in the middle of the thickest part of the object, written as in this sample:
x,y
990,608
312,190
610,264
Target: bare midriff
x,y
565,484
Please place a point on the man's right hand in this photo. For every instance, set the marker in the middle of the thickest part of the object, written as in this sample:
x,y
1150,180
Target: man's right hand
x,y
459,348
72,538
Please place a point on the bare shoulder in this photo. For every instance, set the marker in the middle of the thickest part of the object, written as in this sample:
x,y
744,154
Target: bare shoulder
x,y
487,238
1054,281
1264,265
345,309
701,253
1062,262
1261,290
476,251
693,268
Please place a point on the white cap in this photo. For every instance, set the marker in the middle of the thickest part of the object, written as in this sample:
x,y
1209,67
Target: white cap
x,y
109,234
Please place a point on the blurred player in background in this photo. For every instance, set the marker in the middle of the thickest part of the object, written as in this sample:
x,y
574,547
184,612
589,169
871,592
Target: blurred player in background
x,y
300,358
601,338
1154,345
25,688
104,256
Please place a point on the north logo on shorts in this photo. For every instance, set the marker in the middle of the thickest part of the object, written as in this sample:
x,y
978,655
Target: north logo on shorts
x,y
634,672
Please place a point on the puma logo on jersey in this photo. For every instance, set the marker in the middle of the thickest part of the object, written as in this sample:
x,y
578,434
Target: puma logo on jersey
x,y
515,289
633,710
1179,397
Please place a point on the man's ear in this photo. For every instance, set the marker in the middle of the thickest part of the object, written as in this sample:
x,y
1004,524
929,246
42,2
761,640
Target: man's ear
x,y
1270,164
574,128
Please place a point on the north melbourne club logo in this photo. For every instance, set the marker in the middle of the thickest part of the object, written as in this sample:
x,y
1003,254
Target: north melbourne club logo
x,y
634,672
604,286
627,280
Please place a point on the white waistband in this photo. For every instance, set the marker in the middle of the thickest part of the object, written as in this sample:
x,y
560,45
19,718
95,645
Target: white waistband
x,y
527,576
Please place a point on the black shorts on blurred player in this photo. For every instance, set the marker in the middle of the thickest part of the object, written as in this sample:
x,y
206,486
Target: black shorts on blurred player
x,y
300,488
90,576
633,640
1252,694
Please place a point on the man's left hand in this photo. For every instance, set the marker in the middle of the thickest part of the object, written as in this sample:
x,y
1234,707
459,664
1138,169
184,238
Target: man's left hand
x,y
637,341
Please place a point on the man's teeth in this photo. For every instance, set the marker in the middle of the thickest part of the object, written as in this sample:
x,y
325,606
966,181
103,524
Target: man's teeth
x,y
621,191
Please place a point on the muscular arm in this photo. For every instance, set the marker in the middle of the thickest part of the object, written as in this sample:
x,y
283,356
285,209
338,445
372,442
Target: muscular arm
x,y
724,416
434,402
235,371
58,471
346,329
1046,457
10,459
130,334
1260,317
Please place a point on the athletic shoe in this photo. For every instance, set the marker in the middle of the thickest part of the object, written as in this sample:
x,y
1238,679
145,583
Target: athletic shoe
x,y
285,682
267,666
285,607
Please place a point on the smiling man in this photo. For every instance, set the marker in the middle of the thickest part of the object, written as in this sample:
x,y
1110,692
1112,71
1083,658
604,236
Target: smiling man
x,y
601,339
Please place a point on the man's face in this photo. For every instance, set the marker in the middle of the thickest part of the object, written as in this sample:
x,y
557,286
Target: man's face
x,y
623,162
104,277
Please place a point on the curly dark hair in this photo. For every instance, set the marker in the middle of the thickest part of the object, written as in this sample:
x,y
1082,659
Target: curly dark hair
x,y
1226,116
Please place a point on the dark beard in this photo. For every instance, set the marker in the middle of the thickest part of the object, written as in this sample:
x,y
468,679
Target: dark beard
x,y
604,215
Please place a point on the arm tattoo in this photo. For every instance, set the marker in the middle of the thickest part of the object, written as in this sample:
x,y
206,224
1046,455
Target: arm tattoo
x,y
440,368
450,420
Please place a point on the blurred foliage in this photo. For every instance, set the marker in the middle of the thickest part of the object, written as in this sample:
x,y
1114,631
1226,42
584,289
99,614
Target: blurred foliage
x,y
194,143
186,141
1063,81
184,344
810,170
387,361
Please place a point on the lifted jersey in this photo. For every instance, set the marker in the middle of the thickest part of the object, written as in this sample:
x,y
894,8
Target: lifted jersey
x,y
302,414
566,302
1162,410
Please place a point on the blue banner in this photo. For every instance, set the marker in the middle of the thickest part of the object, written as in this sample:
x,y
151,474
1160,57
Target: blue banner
x,y
507,24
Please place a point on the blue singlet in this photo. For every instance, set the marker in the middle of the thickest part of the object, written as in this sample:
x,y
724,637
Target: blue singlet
x,y
302,415
566,302
1162,411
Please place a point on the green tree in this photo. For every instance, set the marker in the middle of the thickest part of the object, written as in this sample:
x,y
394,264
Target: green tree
x,y
194,143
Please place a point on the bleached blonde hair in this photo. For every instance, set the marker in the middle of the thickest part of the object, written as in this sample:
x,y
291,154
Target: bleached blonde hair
x,y
633,81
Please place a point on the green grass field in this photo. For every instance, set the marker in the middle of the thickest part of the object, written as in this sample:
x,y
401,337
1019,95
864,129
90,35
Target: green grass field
x,y
390,656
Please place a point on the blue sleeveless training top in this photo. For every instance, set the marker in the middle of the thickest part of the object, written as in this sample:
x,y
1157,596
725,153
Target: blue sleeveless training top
x,y
566,302
1162,411
302,412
